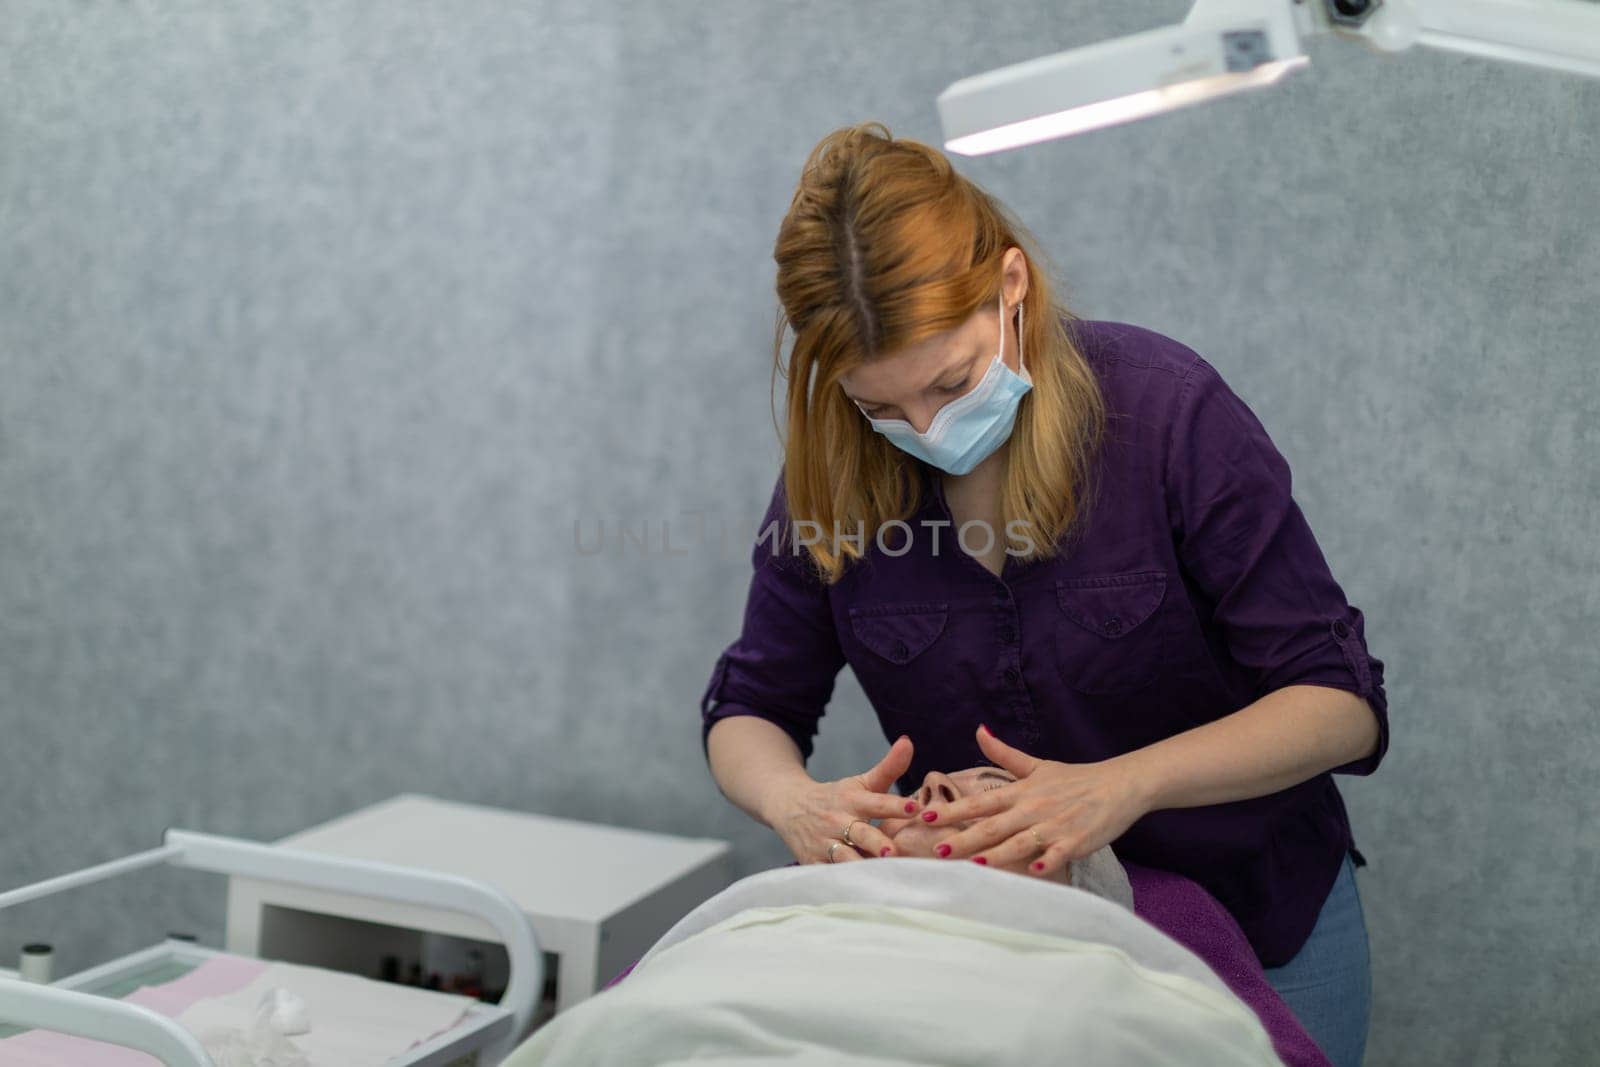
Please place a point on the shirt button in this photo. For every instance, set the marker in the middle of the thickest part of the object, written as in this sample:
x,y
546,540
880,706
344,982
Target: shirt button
x,y
900,649
1340,629
1113,625
1011,675
1008,634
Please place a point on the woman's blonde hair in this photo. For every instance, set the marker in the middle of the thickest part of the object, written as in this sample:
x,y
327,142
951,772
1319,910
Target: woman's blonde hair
x,y
884,245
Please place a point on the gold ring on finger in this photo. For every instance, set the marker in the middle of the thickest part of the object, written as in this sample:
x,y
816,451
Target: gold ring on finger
x,y
1037,839
830,850
847,840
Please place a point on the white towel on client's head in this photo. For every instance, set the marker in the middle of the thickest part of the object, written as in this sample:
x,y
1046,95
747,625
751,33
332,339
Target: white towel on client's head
x,y
1101,873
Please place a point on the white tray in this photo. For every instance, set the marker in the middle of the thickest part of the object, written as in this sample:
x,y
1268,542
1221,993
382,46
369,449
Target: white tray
x,y
457,1047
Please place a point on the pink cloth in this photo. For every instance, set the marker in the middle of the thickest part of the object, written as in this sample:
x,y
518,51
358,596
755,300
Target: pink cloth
x,y
216,977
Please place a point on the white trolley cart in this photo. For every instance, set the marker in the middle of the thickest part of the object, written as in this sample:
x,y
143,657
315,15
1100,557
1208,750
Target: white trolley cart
x,y
84,1005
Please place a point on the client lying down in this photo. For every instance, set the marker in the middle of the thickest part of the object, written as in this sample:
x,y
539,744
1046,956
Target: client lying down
x,y
913,960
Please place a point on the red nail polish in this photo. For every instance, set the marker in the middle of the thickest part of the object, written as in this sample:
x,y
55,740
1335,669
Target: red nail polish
x,y
885,851
943,850
911,806
980,859
929,816
1039,866
986,729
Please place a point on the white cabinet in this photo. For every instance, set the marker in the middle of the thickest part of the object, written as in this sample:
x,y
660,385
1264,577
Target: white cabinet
x,y
598,896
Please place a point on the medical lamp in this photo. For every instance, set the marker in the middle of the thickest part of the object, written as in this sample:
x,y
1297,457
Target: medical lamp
x,y
1228,46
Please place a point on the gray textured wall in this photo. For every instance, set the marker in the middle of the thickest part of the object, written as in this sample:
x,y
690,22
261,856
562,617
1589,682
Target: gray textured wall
x,y
322,323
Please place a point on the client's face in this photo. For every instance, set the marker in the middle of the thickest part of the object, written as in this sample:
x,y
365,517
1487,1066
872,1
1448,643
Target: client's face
x,y
913,837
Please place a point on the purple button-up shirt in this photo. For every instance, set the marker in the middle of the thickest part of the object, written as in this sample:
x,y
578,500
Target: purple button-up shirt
x,y
1192,587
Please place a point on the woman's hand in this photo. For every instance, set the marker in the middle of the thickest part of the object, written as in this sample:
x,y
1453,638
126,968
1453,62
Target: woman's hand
x,y
1075,808
812,816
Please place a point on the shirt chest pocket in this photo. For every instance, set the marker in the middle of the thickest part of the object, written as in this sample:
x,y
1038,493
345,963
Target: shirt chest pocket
x,y
898,633
1110,636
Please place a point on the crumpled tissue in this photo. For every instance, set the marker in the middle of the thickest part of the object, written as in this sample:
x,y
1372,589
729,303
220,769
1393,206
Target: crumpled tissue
x,y
279,1013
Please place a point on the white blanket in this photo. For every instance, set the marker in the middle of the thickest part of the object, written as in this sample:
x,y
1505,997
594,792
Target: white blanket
x,y
907,961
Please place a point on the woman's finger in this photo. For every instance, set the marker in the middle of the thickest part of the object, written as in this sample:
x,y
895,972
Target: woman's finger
x,y
1054,859
872,842
1020,846
894,764
984,837
973,806
865,837
882,806
1018,762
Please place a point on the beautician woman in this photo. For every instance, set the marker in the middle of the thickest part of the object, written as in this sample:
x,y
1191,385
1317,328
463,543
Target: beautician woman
x,y
1062,547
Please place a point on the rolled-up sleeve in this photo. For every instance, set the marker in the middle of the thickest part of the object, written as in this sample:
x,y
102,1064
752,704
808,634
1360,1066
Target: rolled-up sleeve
x,y
1245,542
783,666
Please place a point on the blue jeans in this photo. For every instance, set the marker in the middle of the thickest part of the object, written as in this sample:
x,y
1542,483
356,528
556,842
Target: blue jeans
x,y
1328,984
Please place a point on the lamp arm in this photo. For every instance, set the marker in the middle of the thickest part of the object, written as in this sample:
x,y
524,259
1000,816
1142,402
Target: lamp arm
x,y
1561,35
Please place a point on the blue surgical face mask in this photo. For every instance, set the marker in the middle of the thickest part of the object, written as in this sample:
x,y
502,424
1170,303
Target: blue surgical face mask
x,y
967,430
